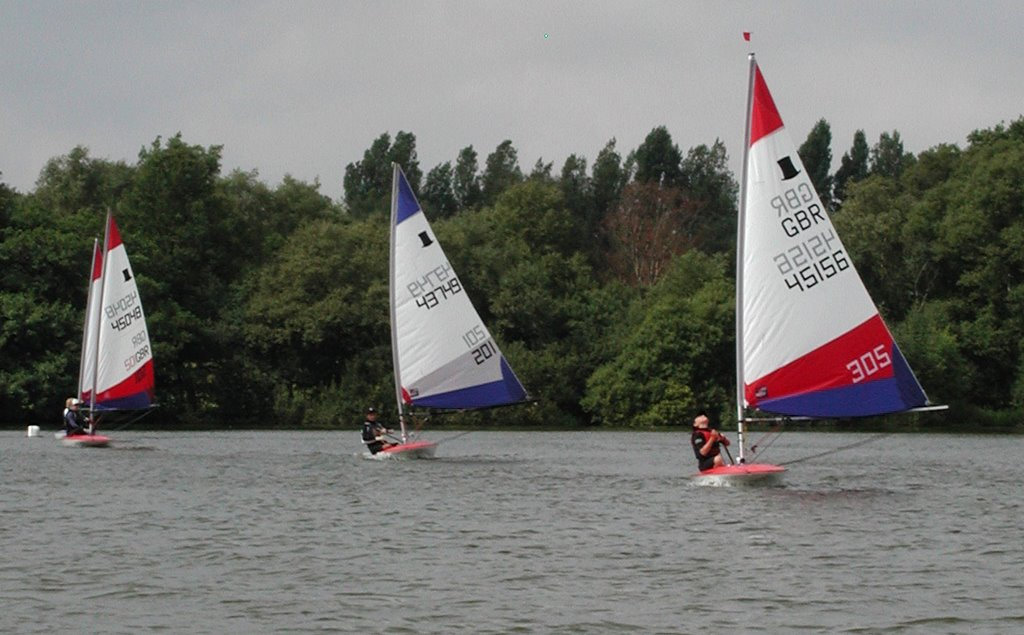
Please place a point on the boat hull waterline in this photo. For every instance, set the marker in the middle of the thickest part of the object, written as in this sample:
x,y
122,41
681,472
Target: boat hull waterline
x,y
85,441
741,474
410,450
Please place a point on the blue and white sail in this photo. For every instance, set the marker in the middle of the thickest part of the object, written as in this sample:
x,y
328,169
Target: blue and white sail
x,y
444,356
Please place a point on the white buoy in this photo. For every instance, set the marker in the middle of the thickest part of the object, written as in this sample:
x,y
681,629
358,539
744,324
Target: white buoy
x,y
33,431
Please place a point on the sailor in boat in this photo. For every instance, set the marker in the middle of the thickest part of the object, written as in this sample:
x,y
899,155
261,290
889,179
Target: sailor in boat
x,y
72,424
373,433
707,443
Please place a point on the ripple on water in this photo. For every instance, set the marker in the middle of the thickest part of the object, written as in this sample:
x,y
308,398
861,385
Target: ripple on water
x,y
503,532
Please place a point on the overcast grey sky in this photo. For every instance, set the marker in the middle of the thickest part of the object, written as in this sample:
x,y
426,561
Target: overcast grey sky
x,y
304,87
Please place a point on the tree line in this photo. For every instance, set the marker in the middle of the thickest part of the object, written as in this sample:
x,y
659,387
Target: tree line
x,y
608,284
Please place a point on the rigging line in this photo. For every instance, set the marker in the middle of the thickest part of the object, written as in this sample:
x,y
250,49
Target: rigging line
x,y
129,422
839,449
461,434
772,434
754,448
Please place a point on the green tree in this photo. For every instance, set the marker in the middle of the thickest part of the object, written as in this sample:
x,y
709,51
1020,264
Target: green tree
x,y
940,246
542,172
853,167
929,341
261,220
183,244
677,354
981,239
608,179
45,253
658,159
368,182
576,190
872,229
501,173
539,298
466,180
403,152
888,157
438,195
710,185
816,154
318,320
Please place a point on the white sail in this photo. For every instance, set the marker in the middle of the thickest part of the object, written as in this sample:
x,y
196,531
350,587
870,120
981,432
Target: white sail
x,y
444,356
90,329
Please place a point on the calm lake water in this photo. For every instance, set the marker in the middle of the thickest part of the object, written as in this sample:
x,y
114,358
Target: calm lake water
x,y
548,532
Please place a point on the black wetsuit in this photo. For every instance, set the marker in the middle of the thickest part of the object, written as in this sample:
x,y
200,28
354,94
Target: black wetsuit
x,y
371,430
699,437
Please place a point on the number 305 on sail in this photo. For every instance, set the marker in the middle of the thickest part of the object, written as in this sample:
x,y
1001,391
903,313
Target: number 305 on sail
x,y
869,363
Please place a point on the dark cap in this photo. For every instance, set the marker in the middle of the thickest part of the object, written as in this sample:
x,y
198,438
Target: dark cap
x,y
371,410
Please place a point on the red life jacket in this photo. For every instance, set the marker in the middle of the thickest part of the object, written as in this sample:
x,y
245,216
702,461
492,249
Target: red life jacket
x,y
706,433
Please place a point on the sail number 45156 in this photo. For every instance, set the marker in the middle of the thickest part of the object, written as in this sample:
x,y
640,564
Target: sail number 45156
x,y
810,262
869,363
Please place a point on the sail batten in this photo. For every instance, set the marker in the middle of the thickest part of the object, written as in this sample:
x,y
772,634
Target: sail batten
x,y
810,340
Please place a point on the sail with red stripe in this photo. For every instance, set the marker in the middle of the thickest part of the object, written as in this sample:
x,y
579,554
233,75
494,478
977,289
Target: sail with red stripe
x,y
810,339
117,359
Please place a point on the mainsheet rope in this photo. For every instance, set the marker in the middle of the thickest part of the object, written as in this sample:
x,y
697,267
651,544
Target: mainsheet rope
x,y
839,449
446,439
418,422
126,424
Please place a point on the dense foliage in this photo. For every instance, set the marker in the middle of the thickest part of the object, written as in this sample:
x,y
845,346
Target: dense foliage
x,y
608,284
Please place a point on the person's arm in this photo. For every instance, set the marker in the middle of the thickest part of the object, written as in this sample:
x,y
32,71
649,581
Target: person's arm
x,y
708,445
715,437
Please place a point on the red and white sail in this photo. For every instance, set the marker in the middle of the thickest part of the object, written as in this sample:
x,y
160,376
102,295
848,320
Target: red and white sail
x,y
812,342
117,359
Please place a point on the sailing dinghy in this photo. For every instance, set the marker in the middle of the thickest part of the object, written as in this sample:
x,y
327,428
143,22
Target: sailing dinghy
x,y
810,342
116,370
444,357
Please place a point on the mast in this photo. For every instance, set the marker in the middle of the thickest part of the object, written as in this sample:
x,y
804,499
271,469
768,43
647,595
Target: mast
x,y
391,298
99,320
740,233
